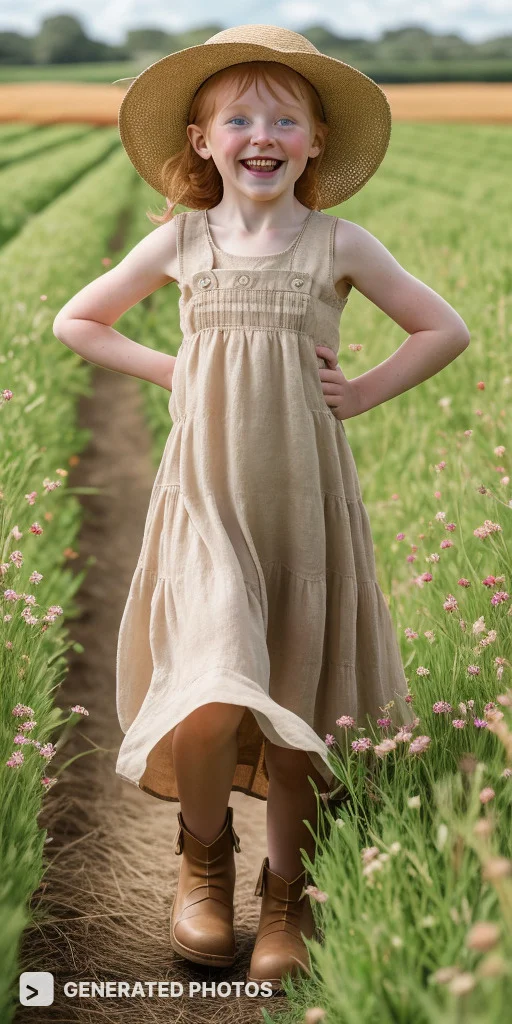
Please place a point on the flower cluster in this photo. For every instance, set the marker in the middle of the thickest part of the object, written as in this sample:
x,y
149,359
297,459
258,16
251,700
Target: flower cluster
x,y
46,750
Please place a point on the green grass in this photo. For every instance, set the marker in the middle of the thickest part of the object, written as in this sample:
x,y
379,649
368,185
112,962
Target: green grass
x,y
29,186
482,70
51,258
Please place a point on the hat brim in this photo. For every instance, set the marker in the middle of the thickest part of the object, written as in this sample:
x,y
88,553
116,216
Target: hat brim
x,y
153,114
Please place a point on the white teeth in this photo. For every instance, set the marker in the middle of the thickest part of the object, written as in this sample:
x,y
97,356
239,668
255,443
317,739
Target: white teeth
x,y
261,163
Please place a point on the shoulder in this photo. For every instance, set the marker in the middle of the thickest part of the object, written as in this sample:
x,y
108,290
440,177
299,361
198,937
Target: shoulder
x,y
353,247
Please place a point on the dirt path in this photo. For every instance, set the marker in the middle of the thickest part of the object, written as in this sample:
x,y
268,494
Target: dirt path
x,y
112,872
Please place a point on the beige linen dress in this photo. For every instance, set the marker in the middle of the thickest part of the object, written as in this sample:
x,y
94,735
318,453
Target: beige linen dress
x,y
256,581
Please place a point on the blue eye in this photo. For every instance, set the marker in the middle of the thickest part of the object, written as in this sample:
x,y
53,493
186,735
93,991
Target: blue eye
x,y
242,119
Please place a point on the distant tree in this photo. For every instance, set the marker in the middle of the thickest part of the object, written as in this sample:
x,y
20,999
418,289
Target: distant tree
x,y
342,47
146,40
62,40
15,48
500,48
407,43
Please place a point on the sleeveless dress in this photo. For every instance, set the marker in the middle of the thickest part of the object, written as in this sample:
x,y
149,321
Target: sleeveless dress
x,y
256,582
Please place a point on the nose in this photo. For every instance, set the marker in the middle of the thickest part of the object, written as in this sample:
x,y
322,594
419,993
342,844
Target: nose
x,y
261,137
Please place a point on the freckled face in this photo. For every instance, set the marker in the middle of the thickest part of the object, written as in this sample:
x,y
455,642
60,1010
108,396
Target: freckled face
x,y
259,125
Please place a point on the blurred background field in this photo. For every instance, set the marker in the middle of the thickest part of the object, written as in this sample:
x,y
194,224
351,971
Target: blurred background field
x,y
61,74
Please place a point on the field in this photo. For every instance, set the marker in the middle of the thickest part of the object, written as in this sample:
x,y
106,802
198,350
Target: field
x,y
413,876
50,102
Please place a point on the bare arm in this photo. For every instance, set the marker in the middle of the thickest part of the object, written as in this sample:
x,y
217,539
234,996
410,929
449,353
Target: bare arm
x,y
84,324
437,333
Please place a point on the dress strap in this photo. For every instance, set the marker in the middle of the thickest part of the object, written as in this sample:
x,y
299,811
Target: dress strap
x,y
193,250
314,250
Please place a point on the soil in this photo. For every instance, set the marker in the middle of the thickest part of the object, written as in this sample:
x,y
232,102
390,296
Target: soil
x,y
98,104
112,871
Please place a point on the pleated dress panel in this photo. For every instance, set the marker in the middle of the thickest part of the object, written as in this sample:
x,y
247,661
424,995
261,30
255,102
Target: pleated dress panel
x,y
256,581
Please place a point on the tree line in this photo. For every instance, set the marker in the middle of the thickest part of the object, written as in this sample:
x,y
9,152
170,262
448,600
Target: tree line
x,y
61,39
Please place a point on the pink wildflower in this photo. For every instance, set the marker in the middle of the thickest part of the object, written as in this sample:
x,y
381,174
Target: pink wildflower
x,y
346,721
48,751
21,710
458,723
500,597
441,707
47,782
384,723
484,531
404,735
16,759
480,723
381,749
79,709
451,604
419,744
364,743
329,739
368,853
316,894
486,795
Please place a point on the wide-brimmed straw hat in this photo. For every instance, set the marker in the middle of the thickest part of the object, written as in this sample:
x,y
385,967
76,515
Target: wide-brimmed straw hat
x,y
153,114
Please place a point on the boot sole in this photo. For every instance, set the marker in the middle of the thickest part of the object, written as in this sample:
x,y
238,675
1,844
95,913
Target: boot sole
x,y
209,959
276,983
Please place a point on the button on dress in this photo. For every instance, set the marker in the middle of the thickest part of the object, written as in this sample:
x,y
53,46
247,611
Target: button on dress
x,y
256,581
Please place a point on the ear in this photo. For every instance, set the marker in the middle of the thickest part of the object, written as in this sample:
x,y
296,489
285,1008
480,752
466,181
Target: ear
x,y
197,141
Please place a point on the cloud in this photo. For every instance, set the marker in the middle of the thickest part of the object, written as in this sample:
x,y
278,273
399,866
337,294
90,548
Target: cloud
x,y
109,20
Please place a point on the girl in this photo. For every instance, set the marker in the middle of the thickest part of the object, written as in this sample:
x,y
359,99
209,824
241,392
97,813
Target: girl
x,y
254,619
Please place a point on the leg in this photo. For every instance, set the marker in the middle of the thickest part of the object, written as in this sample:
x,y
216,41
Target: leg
x,y
290,799
205,753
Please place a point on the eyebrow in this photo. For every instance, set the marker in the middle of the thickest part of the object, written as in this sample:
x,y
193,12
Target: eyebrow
x,y
240,106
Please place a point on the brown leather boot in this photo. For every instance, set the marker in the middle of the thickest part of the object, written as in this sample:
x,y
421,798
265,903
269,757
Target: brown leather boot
x,y
202,913
285,914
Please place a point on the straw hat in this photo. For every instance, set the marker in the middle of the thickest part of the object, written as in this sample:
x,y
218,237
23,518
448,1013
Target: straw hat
x,y
153,115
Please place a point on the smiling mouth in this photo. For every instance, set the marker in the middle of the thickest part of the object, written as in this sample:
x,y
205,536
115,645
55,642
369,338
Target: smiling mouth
x,y
262,170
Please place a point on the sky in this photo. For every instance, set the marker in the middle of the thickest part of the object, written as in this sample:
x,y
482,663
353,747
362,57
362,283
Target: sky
x,y
108,20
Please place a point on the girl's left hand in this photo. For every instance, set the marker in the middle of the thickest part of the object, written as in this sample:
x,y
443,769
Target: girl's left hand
x,y
339,393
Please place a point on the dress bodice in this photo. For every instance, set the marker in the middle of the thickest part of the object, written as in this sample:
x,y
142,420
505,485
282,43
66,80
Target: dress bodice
x,y
290,290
